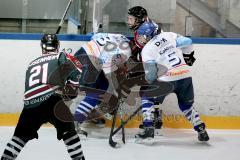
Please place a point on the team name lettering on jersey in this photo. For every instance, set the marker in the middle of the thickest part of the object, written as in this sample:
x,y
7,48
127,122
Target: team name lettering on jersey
x,y
159,43
166,49
44,59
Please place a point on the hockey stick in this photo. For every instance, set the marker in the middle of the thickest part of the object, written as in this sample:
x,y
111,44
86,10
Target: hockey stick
x,y
111,142
119,105
123,131
64,14
123,123
164,90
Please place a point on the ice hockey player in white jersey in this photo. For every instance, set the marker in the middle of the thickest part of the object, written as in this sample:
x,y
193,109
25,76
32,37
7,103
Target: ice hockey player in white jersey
x,y
137,15
166,49
104,54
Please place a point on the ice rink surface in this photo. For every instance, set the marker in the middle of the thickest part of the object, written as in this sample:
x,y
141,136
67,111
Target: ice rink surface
x,y
175,144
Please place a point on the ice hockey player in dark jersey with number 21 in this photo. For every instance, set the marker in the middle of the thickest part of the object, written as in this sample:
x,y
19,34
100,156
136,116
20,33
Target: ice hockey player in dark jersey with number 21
x,y
45,77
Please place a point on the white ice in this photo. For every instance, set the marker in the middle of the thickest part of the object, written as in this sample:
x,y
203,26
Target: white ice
x,y
175,144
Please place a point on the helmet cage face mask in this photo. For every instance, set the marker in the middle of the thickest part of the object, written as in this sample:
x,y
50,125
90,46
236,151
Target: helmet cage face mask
x,y
49,44
141,40
145,33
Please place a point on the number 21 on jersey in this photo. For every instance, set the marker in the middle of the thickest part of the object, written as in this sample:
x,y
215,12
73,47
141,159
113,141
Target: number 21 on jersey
x,y
38,74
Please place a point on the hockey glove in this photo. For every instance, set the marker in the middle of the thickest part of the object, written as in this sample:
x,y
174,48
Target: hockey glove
x,y
68,92
189,58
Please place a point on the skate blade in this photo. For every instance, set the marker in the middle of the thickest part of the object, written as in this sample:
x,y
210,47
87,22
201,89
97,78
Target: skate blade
x,y
203,141
147,141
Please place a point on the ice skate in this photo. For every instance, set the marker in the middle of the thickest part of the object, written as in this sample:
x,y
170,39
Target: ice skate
x,y
202,133
146,136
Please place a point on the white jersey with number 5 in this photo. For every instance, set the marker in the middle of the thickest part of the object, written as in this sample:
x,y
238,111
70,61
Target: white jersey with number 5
x,y
162,49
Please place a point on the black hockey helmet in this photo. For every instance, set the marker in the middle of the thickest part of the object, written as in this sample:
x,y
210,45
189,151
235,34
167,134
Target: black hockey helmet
x,y
139,13
49,43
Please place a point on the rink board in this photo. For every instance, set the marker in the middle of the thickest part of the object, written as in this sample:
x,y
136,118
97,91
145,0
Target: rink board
x,y
169,121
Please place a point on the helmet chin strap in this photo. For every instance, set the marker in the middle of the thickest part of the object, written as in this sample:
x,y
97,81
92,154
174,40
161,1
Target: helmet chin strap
x,y
49,52
137,25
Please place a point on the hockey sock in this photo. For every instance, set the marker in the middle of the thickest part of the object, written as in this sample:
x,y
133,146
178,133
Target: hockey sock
x,y
158,118
74,147
84,108
147,109
191,114
13,148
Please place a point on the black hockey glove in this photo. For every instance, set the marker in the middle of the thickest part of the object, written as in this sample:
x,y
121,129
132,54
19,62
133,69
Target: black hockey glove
x,y
189,58
68,92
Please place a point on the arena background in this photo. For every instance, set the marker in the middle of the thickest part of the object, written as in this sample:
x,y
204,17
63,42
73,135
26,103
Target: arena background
x,y
214,26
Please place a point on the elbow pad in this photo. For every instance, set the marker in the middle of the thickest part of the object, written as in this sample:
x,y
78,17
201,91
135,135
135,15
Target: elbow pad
x,y
151,71
183,41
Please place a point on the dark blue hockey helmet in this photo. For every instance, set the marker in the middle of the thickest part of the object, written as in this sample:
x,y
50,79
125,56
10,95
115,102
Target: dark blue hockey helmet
x,y
147,30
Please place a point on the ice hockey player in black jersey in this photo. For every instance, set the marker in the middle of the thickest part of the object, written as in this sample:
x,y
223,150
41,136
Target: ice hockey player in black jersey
x,y
46,77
